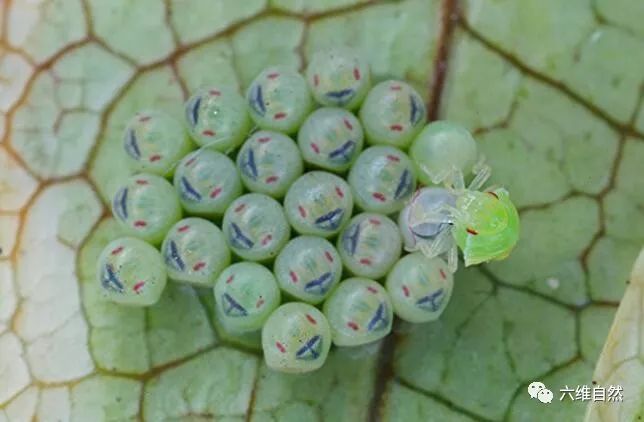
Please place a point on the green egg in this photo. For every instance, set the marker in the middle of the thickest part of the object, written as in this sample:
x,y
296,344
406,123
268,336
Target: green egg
x,y
369,245
308,268
155,141
269,163
318,203
195,252
296,338
217,118
245,295
392,114
331,138
255,227
131,272
441,147
279,100
146,207
207,182
359,312
382,179
419,287
338,77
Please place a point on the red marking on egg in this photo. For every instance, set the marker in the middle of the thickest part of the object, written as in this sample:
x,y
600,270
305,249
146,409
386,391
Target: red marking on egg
x,y
279,116
144,118
199,265
294,277
140,223
191,161
405,291
315,147
302,211
183,229
215,92
263,140
328,255
372,289
215,192
356,73
316,80
353,326
379,196
259,303
230,279
272,179
443,276
374,221
138,286
396,128
365,261
280,347
267,239
142,182
240,207
117,250
348,124
396,88
208,132
155,157
311,319
393,158
339,192
272,75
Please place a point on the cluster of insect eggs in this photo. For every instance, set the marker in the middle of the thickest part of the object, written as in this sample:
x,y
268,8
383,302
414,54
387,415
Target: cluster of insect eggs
x,y
224,224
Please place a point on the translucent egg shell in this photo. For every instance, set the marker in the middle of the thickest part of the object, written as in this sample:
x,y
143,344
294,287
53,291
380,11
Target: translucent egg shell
x,y
318,203
255,227
269,163
217,118
279,99
131,272
338,77
207,182
392,114
331,138
195,251
382,179
308,268
155,141
369,245
245,295
419,287
146,207
440,147
412,219
296,338
359,311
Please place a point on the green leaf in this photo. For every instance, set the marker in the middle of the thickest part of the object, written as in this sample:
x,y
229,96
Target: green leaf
x,y
552,91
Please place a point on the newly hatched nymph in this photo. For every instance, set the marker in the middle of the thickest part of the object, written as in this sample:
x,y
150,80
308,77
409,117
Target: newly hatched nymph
x,y
483,224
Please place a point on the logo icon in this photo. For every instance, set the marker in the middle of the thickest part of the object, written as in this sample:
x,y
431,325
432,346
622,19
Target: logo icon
x,y
538,390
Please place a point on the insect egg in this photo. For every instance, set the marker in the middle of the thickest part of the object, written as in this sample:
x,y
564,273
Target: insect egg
x,y
411,220
269,162
359,311
245,295
331,138
279,99
296,338
131,272
155,141
146,207
195,251
217,118
308,268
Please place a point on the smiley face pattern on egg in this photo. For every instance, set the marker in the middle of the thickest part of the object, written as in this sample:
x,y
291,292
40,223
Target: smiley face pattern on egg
x,y
318,203
269,162
369,245
296,338
419,287
392,114
207,182
359,312
308,268
195,252
382,179
338,77
146,207
154,141
279,100
245,295
255,227
330,138
217,118
131,272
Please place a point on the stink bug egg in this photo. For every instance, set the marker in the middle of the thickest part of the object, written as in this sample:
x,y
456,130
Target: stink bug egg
x,y
393,113
296,338
155,141
131,272
338,77
419,287
195,251
319,203
207,182
359,311
255,227
245,295
382,179
279,100
269,162
330,138
369,245
217,118
146,206
412,219
308,268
